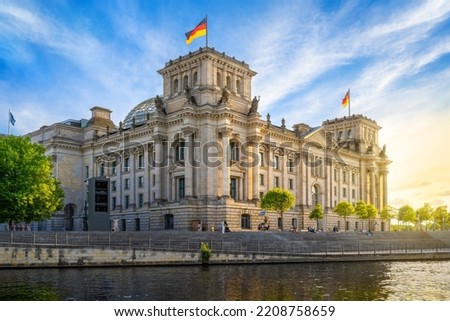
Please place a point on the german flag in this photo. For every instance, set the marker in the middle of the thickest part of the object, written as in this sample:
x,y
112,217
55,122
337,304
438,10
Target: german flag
x,y
346,99
198,31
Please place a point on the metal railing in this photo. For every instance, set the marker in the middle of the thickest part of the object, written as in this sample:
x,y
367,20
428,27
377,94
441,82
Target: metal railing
x,y
142,240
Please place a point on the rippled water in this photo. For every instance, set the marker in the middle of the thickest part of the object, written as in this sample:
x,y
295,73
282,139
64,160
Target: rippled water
x,y
394,281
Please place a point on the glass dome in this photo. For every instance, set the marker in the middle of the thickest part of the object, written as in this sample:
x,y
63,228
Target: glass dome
x,y
140,113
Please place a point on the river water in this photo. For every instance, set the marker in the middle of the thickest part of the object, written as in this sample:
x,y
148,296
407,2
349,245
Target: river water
x,y
361,281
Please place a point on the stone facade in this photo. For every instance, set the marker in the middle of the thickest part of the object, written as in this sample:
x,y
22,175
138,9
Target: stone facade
x,y
201,154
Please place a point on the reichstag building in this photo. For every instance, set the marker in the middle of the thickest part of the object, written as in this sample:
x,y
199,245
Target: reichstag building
x,y
200,154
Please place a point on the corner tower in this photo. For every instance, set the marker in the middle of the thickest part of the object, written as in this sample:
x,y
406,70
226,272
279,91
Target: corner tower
x,y
203,77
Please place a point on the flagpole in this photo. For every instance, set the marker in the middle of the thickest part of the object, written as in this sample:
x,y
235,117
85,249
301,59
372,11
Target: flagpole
x,y
207,31
9,122
349,99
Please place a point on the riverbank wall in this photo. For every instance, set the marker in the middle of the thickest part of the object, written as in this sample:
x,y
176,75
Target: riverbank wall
x,y
28,257
26,250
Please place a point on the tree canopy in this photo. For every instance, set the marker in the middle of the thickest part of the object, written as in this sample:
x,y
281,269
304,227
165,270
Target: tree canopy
x,y
441,216
316,214
424,215
278,200
28,191
344,209
406,214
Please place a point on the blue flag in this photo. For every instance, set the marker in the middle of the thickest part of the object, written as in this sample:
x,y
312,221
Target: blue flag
x,y
11,119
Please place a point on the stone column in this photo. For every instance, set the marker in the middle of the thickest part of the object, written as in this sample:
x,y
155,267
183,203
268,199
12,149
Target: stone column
x,y
188,132
158,165
384,187
372,187
254,168
225,132
284,170
146,177
132,187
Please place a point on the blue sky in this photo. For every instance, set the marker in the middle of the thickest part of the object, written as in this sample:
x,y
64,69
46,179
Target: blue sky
x,y
60,58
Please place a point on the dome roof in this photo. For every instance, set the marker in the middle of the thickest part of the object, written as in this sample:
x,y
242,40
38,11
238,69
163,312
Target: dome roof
x,y
139,113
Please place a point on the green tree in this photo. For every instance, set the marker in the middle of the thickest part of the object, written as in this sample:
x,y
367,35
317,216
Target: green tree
x,y
372,213
424,215
278,200
28,191
440,216
361,210
387,213
316,214
344,209
406,214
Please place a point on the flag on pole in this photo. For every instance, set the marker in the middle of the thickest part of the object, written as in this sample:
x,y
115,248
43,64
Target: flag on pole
x,y
11,119
346,99
198,31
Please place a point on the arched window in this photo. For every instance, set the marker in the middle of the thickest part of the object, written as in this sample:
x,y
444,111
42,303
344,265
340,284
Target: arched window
x,y
180,150
315,191
175,86
219,79
185,81
340,135
238,86
68,217
349,134
195,80
229,83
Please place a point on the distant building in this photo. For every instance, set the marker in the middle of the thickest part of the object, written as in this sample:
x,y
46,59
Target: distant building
x,y
201,154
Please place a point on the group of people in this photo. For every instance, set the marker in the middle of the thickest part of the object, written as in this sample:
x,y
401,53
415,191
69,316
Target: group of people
x,y
225,228
264,226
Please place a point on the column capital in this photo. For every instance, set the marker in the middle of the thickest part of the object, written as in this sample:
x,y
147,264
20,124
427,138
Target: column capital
x,y
158,138
225,131
188,130
254,139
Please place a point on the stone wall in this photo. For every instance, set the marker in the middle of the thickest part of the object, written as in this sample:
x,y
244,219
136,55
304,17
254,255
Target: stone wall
x,y
26,257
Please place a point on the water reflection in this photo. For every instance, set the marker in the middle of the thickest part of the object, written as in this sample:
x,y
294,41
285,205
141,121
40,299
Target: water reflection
x,y
316,281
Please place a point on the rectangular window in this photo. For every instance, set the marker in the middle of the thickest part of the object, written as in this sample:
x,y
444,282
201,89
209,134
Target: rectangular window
x,y
335,191
234,152
353,193
335,175
113,186
126,164
276,162
141,181
179,151
261,179
140,200
233,188
113,168
127,201
141,161
276,181
344,192
101,171
181,188
291,183
291,165
153,180
261,159
353,178
126,183
113,205
87,171
344,176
